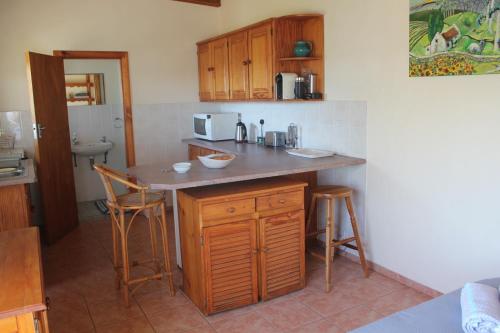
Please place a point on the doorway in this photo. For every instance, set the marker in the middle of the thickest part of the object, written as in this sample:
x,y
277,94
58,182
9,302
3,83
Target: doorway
x,y
97,92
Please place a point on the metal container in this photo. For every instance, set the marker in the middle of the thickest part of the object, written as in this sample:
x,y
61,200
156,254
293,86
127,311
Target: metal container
x,y
275,139
293,136
312,83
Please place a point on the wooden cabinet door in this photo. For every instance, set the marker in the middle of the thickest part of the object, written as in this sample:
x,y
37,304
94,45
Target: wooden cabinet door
x,y
220,68
282,258
205,73
230,260
238,66
194,152
261,62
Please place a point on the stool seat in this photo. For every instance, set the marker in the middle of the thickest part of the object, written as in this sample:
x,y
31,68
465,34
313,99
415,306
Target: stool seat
x,y
331,191
131,200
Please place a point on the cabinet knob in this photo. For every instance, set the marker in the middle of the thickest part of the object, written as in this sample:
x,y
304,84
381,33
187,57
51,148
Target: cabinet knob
x,y
282,201
231,210
245,63
249,62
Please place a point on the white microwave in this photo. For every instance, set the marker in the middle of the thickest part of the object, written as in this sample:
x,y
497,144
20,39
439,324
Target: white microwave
x,y
215,126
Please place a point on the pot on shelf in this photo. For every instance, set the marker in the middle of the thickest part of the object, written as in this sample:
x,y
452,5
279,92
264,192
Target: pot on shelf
x,y
302,48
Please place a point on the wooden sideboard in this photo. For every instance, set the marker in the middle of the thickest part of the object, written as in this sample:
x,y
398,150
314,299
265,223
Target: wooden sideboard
x,y
242,65
15,207
22,296
242,241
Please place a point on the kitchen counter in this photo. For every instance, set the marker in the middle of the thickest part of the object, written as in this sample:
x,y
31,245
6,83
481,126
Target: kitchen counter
x,y
252,162
28,177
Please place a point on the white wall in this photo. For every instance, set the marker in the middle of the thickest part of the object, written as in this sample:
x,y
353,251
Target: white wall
x,y
433,158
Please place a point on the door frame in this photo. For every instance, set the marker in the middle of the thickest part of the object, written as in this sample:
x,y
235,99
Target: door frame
x,y
122,56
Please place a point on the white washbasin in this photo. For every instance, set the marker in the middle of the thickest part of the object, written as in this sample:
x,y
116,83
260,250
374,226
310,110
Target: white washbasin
x,y
91,148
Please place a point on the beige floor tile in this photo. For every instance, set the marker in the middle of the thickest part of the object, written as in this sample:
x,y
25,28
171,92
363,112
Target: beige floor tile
x,y
114,311
159,301
178,319
129,325
320,326
354,318
397,301
252,322
331,303
288,314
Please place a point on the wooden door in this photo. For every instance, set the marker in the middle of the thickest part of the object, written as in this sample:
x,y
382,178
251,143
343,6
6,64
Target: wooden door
x,y
230,260
261,62
220,68
205,73
238,66
52,145
282,258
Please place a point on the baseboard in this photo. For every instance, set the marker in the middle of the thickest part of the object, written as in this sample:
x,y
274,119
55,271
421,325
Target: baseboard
x,y
393,275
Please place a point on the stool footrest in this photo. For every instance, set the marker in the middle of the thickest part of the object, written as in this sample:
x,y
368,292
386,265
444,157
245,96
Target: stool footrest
x,y
344,242
316,233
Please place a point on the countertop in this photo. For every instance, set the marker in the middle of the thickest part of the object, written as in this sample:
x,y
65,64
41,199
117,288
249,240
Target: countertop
x,y
252,162
27,178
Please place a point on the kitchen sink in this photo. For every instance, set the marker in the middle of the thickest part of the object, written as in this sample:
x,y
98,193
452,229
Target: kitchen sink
x,y
91,148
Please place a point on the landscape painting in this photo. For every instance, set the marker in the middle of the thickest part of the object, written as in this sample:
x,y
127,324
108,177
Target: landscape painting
x,y
454,37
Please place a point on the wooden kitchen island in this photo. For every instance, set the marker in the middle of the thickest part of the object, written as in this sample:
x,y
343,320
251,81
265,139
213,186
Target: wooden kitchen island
x,y
239,229
242,242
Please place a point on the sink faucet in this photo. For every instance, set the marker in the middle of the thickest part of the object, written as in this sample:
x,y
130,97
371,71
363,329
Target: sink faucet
x,y
74,138
103,139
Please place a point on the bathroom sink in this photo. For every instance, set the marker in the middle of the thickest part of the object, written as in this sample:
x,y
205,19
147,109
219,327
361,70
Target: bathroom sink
x,y
91,148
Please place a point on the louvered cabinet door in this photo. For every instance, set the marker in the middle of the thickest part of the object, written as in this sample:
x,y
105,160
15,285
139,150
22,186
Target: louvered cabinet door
x,y
282,255
230,257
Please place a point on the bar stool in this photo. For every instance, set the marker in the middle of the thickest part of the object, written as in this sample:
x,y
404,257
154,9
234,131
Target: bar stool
x,y
330,194
135,202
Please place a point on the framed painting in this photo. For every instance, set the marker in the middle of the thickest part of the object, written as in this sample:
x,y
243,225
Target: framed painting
x,y
213,3
454,37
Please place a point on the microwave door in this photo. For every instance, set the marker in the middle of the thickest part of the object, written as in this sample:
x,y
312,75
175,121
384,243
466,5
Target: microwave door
x,y
200,127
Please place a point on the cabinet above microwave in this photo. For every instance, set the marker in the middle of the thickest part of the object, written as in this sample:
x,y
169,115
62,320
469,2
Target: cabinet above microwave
x,y
241,65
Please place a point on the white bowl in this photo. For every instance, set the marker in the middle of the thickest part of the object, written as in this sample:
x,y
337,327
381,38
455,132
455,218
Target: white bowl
x,y
212,163
182,167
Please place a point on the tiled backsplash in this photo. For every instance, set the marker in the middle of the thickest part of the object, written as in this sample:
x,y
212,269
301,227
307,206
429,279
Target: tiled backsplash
x,y
17,123
90,124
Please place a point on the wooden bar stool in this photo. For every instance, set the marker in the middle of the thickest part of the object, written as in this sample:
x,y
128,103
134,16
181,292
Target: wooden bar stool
x,y
135,202
330,194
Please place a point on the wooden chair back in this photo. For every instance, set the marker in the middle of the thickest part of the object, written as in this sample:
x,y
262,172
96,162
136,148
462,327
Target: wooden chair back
x,y
108,175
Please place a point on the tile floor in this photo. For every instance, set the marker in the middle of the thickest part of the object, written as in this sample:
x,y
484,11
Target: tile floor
x,y
80,283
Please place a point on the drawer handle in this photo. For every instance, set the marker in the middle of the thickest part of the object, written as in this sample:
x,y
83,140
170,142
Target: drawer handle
x,y
282,201
231,210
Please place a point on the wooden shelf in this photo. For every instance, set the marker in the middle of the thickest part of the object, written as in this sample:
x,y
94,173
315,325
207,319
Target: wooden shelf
x,y
79,84
300,58
81,99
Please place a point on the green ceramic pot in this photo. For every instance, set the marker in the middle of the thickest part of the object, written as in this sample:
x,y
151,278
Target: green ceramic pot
x,y
302,48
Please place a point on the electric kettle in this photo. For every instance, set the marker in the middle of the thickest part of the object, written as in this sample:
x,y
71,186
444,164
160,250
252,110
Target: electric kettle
x,y
241,132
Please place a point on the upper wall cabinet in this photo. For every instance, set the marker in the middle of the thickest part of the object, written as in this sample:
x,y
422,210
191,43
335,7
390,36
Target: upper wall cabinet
x,y
213,70
242,65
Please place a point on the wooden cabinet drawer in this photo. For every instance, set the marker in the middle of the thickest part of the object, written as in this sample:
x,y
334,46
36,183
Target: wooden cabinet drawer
x,y
228,209
281,200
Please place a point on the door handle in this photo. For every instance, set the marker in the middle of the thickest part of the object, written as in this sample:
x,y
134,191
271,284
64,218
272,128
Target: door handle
x,y
38,130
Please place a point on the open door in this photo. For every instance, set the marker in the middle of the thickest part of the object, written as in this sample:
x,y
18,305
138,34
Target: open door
x,y
52,144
